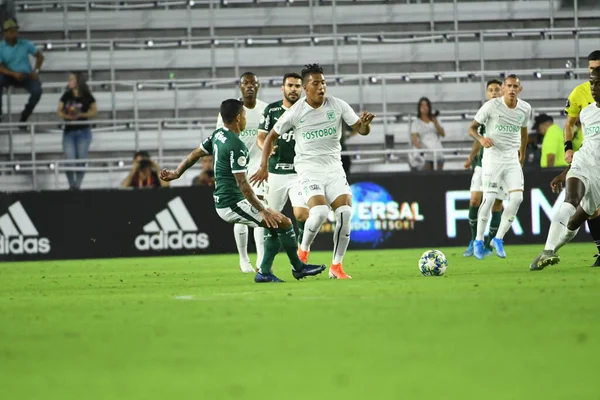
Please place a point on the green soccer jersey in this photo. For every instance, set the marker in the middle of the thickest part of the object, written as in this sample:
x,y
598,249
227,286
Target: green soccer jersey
x,y
282,161
230,156
480,156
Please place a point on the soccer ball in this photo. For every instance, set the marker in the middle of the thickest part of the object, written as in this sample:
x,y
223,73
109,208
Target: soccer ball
x,y
433,263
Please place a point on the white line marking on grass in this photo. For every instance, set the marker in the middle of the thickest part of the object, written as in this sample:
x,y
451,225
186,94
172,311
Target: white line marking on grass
x,y
186,297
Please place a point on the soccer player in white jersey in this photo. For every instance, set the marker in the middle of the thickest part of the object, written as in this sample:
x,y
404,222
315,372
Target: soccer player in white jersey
x,y
249,86
583,183
505,119
317,124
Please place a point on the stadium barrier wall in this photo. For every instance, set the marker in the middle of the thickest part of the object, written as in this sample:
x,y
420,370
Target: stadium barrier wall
x,y
390,211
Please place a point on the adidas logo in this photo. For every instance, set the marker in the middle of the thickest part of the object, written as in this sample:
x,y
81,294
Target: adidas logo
x,y
173,229
18,235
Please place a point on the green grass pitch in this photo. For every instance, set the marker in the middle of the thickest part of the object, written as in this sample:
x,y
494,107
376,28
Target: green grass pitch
x,y
196,328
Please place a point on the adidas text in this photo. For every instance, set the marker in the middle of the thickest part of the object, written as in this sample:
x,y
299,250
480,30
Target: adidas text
x,y
172,241
24,245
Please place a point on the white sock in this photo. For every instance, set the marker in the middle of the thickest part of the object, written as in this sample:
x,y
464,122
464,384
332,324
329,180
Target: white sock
x,y
316,216
510,212
259,240
483,216
566,236
341,234
559,223
240,232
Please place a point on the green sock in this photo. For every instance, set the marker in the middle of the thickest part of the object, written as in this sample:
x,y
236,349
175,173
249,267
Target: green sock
x,y
473,221
300,225
494,225
287,237
272,246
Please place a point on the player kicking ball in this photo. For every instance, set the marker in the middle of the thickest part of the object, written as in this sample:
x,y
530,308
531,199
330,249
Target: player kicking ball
x,y
492,91
235,200
583,184
506,119
317,124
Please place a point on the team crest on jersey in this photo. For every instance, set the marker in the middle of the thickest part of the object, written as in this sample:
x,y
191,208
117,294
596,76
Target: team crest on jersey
x,y
241,161
568,104
262,119
330,115
520,117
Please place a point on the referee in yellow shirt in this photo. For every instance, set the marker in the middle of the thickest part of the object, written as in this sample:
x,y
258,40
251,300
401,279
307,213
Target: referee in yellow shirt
x,y
553,146
580,98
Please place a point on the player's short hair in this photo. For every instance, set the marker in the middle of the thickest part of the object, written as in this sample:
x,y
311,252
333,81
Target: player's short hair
x,y
512,76
493,82
311,69
292,75
230,109
594,56
248,74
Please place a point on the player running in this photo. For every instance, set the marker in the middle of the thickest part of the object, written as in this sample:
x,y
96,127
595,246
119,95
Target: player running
x,y
506,119
493,90
579,99
235,200
317,125
283,179
583,184
249,86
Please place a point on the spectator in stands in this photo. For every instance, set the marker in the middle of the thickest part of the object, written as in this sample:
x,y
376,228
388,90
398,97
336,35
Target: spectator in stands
x,y
144,173
427,133
207,176
15,67
553,150
77,104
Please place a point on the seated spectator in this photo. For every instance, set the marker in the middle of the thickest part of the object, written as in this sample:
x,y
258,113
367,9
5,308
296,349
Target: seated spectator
x,y
553,150
77,104
144,173
207,176
15,67
427,134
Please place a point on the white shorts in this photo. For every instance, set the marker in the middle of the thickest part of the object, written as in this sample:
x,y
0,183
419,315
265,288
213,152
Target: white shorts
x,y
496,175
242,213
330,186
477,185
280,187
586,172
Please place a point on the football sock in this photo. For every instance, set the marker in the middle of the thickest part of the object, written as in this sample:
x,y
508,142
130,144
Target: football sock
x,y
473,221
565,237
259,240
271,248
300,225
316,216
559,223
494,225
341,234
240,232
594,225
483,216
287,238
510,212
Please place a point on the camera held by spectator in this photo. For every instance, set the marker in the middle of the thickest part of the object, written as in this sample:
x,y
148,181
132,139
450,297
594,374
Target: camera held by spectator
x,y
144,173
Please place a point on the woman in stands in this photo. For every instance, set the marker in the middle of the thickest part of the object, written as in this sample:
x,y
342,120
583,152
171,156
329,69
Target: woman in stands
x,y
75,107
427,133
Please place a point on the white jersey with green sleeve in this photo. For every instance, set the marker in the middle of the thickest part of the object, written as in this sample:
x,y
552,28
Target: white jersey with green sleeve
x,y
250,134
503,125
317,132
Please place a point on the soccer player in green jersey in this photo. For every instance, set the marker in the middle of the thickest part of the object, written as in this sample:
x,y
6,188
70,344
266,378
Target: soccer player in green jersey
x,y
235,200
283,180
493,90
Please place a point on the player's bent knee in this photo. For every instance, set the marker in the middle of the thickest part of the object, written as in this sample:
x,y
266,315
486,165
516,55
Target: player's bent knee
x,y
320,212
301,214
497,206
516,196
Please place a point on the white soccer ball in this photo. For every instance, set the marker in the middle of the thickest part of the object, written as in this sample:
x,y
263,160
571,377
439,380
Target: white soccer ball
x,y
433,263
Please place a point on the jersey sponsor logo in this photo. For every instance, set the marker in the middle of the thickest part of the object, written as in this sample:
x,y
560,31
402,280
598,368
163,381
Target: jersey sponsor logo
x,y
288,136
592,130
249,132
507,128
330,115
18,235
241,161
319,133
173,229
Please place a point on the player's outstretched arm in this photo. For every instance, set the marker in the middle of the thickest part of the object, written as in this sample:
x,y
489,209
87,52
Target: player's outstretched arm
x,y
363,125
190,160
263,173
484,141
270,217
524,139
557,182
569,134
474,150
